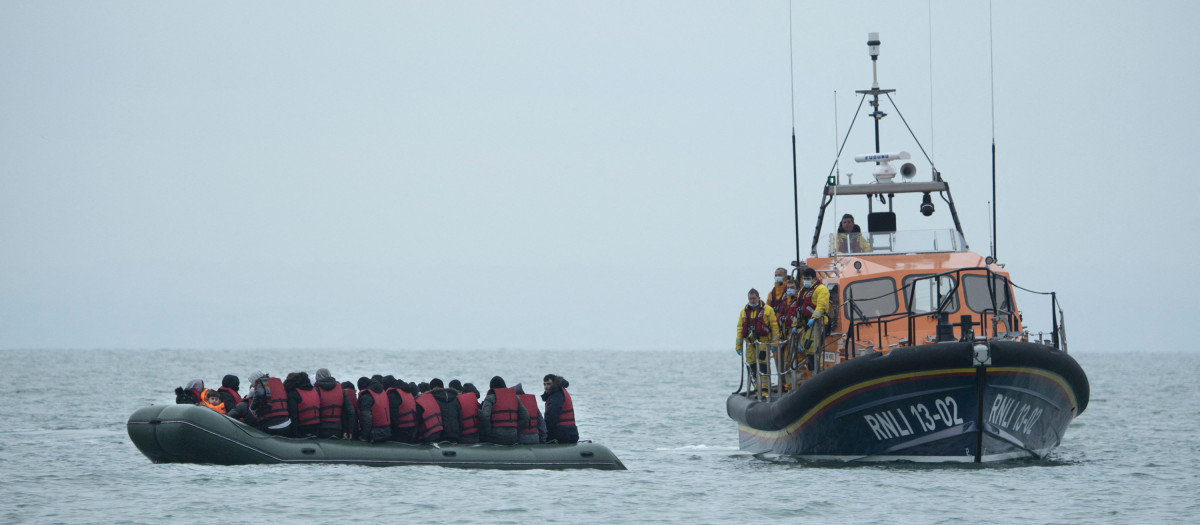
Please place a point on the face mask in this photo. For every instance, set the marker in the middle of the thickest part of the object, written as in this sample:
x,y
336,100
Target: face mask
x,y
778,279
791,291
807,283
753,304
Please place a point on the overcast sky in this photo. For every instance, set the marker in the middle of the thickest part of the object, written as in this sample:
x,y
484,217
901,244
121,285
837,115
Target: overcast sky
x,y
575,175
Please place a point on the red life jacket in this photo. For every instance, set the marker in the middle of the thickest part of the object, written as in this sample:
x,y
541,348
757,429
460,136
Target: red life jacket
x,y
758,324
237,398
504,410
406,416
379,411
276,403
331,404
431,419
468,405
308,411
777,302
197,395
530,402
567,416
807,307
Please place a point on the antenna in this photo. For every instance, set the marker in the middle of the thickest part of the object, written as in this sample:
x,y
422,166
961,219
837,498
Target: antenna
x,y
795,183
929,9
992,75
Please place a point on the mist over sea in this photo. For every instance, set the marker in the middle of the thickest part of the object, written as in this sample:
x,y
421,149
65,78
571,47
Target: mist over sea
x,y
66,458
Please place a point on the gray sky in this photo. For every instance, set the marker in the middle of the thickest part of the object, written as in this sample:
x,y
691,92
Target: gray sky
x,y
573,175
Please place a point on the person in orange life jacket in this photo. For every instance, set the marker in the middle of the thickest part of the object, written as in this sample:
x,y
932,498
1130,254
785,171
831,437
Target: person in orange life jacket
x,y
210,399
229,392
451,413
778,294
757,330
190,394
374,424
560,411
849,238
468,407
533,432
402,409
497,423
336,412
303,405
352,393
269,404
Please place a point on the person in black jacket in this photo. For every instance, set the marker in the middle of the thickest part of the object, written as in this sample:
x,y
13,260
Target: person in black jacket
x,y
451,414
190,394
368,429
326,387
560,412
229,389
294,383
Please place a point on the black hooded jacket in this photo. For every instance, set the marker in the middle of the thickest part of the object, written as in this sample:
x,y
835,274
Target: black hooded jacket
x,y
554,399
349,412
300,382
366,402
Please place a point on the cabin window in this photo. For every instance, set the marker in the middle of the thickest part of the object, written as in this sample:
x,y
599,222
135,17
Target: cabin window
x,y
975,288
872,298
921,291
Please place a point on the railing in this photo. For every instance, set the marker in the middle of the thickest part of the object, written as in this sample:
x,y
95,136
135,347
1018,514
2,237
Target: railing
x,y
786,363
907,241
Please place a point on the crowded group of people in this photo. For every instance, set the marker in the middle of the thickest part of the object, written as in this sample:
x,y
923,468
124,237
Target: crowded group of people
x,y
789,323
383,408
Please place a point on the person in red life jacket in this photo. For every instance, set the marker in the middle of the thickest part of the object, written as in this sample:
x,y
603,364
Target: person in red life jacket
x,y
375,423
190,394
336,411
269,402
242,411
304,405
468,408
501,414
778,294
560,411
352,393
758,331
533,432
451,413
402,409
210,399
429,416
229,392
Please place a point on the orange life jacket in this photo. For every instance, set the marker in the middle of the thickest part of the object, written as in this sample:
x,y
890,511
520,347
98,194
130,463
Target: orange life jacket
x,y
219,407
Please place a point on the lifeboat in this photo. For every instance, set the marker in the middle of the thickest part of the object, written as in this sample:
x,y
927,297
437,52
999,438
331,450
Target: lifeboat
x,y
924,355
195,434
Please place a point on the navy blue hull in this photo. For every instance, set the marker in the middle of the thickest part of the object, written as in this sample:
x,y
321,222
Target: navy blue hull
x,y
926,403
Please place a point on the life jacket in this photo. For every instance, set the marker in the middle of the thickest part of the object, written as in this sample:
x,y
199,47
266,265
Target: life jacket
x,y
275,405
787,312
406,416
566,418
530,402
468,405
219,407
431,419
197,394
777,301
237,398
504,410
379,411
331,404
756,323
308,411
804,297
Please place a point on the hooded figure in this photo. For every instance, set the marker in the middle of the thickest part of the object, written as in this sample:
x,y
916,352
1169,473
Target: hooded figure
x,y
560,412
304,405
190,394
447,400
495,415
337,412
229,392
533,432
375,425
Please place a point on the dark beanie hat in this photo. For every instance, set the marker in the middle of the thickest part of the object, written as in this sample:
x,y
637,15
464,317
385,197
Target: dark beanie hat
x,y
363,383
230,381
347,384
388,381
470,387
497,382
455,385
436,383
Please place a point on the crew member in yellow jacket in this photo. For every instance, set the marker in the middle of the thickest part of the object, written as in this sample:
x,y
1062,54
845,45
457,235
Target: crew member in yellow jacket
x,y
812,314
758,331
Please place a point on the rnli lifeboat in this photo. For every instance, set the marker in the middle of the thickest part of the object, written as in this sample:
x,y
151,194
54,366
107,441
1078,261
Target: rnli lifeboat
x,y
924,356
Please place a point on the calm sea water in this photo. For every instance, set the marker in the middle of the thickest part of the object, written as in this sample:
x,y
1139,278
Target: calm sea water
x,y
65,456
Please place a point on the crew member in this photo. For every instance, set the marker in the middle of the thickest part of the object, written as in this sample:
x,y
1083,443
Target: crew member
x,y
757,330
812,313
560,411
850,238
778,294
